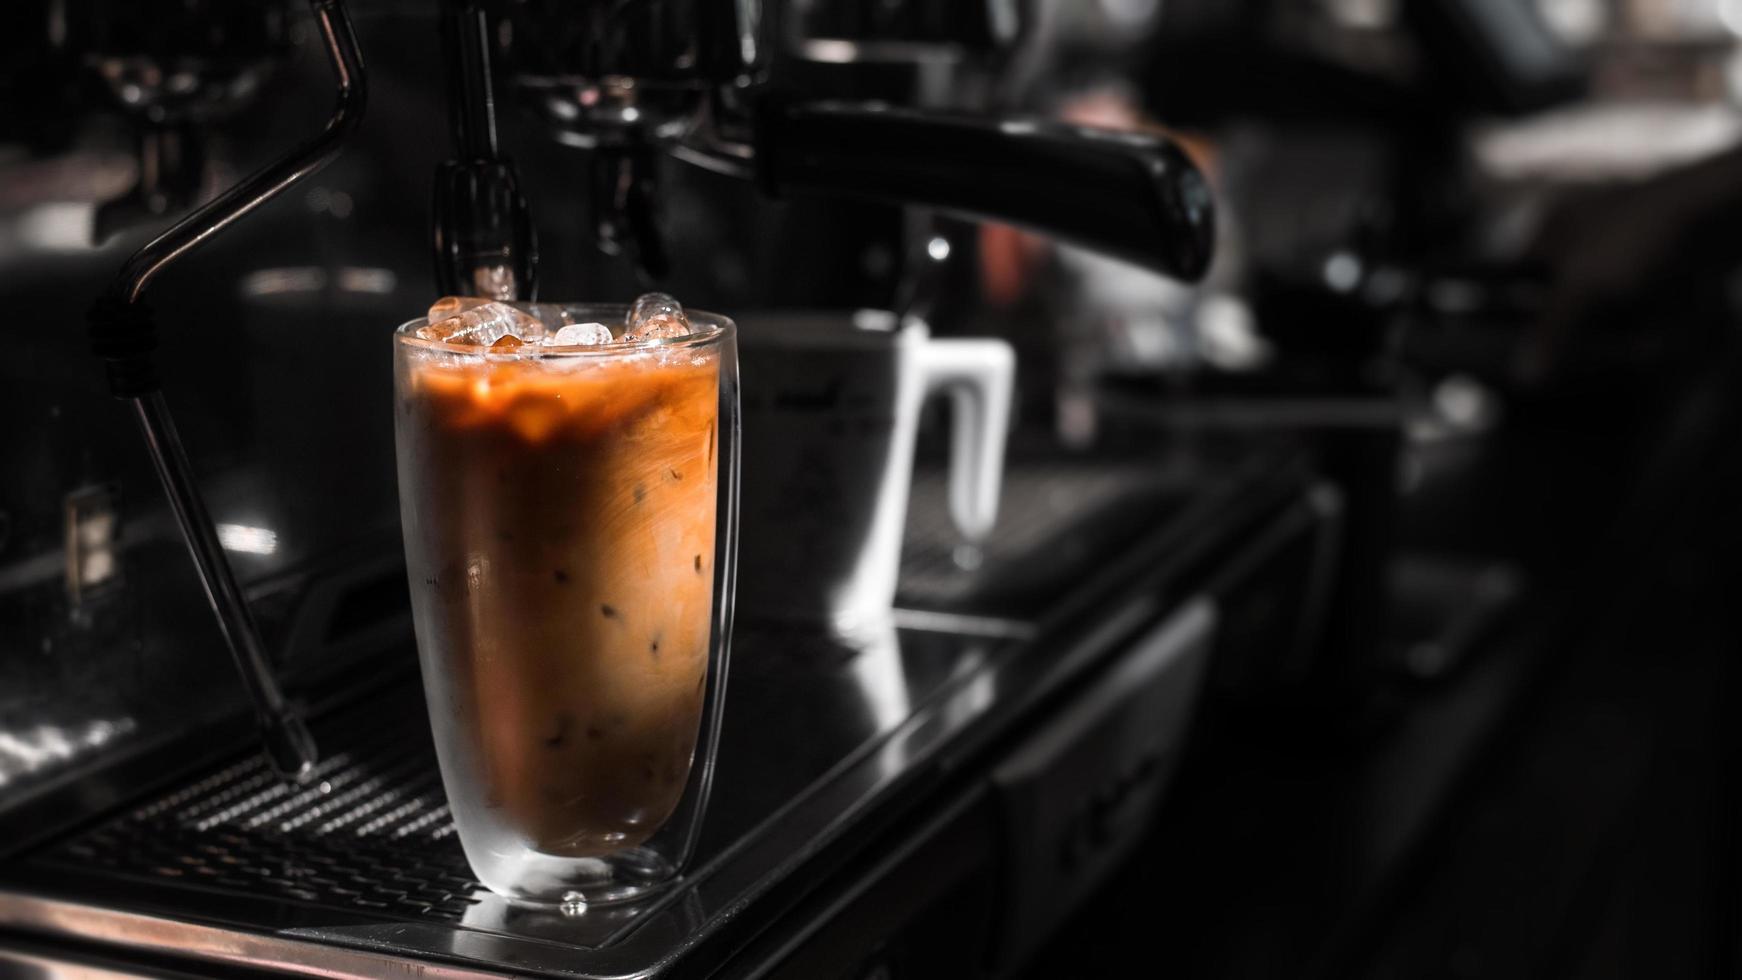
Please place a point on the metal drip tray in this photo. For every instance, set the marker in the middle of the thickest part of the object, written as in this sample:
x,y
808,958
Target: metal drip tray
x,y
371,832
362,871
367,857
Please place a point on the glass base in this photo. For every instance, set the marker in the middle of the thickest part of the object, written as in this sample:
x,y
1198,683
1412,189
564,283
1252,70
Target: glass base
x,y
573,885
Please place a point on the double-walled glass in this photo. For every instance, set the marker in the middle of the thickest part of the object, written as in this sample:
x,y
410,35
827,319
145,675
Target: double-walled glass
x,y
570,521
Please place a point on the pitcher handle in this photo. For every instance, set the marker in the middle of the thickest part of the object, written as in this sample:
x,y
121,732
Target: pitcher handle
x,y
979,375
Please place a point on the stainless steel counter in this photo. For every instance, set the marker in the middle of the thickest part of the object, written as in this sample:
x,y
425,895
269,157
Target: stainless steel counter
x,y
825,743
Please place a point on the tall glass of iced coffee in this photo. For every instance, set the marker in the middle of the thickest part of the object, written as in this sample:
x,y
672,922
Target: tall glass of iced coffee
x,y
567,479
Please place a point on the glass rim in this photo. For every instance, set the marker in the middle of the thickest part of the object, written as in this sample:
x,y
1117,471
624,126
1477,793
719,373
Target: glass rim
x,y
710,330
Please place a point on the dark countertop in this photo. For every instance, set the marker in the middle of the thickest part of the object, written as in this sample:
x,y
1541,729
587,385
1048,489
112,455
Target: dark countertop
x,y
1562,803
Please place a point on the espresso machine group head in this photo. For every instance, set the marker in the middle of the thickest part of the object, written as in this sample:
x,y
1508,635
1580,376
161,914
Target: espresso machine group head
x,y
173,70
700,81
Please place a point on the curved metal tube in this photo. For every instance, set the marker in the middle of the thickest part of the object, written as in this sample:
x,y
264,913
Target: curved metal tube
x,y
263,186
289,745
287,741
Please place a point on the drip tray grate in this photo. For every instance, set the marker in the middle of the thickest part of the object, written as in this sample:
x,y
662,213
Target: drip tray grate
x,y
372,830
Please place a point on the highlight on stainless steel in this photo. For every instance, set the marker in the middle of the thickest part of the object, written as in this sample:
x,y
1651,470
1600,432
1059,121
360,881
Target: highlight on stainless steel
x,y
266,951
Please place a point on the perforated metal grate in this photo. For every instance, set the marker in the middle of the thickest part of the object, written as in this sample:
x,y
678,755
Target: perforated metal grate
x,y
372,831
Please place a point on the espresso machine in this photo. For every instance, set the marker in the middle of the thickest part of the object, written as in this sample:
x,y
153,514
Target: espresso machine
x,y
740,155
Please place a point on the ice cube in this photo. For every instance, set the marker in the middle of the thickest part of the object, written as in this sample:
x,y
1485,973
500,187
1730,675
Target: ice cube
x,y
552,315
447,306
656,316
649,305
661,327
482,325
579,335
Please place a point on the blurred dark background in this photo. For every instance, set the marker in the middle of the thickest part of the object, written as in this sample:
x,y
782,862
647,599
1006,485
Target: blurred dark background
x,y
1448,434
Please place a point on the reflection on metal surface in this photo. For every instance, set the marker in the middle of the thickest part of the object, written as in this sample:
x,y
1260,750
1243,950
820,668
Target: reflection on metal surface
x,y
268,282
247,539
355,279
1576,22
1342,271
92,541
25,751
968,557
59,226
1623,141
1465,403
1365,15
1037,506
877,668
26,966
494,914
964,625
313,279
260,951
1228,335
322,200
973,698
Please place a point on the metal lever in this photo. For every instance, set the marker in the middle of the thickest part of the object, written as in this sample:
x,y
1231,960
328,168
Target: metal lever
x,y
123,334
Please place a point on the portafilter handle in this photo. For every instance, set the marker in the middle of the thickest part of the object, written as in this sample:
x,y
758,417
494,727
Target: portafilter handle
x,y
1132,196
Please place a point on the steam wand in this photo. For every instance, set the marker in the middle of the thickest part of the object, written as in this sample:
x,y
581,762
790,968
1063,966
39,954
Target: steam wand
x,y
123,334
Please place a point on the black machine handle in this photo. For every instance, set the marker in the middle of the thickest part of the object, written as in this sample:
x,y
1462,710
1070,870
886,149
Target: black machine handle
x,y
1134,197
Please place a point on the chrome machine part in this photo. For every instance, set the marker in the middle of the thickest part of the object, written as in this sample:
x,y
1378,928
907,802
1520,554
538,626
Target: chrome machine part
x,y
696,80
